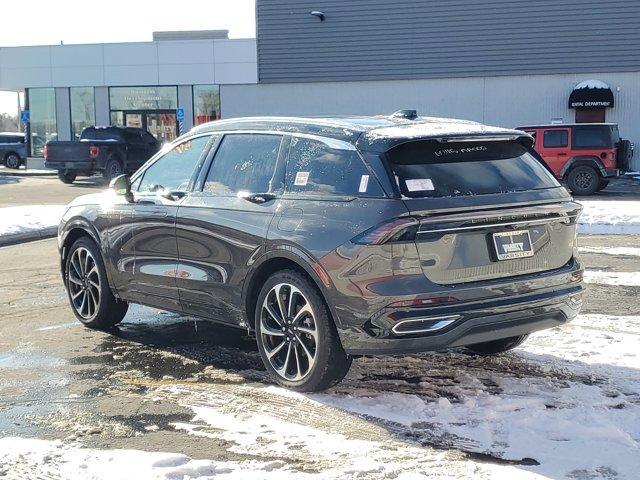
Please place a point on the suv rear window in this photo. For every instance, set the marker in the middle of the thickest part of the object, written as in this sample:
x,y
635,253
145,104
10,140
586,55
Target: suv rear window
x,y
434,169
11,139
595,136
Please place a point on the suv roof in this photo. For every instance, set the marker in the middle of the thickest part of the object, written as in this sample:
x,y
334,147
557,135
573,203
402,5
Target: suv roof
x,y
564,125
371,133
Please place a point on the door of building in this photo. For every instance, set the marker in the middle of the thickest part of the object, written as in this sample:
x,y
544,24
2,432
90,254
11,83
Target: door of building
x,y
162,124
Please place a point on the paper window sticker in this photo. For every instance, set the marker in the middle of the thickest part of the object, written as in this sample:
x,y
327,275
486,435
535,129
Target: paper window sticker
x,y
301,179
419,184
364,182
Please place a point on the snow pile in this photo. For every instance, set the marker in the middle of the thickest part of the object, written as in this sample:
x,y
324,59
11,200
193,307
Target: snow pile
x,y
610,217
628,279
616,251
29,218
28,458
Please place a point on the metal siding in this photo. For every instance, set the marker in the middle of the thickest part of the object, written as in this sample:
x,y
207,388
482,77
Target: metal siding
x,y
377,39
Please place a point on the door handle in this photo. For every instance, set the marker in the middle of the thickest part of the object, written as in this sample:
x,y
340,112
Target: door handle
x,y
145,202
257,197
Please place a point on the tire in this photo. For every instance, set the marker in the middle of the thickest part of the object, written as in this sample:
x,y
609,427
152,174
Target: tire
x,y
497,346
308,355
66,177
112,168
12,160
583,180
603,184
90,296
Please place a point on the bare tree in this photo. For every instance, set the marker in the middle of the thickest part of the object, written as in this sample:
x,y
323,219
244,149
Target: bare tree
x,y
9,123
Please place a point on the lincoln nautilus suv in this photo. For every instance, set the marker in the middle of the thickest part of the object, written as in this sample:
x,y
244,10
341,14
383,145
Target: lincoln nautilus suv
x,y
333,238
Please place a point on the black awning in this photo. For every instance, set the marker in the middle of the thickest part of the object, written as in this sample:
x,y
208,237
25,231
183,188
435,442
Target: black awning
x,y
591,94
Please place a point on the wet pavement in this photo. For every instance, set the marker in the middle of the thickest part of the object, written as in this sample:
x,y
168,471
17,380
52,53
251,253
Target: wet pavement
x,y
138,386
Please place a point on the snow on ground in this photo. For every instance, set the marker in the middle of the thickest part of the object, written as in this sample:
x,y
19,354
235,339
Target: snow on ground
x,y
616,251
22,458
29,218
629,279
609,217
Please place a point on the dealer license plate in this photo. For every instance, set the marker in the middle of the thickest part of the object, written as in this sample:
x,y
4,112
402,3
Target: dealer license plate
x,y
510,245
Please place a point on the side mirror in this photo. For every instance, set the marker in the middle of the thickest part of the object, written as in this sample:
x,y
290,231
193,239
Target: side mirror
x,y
121,185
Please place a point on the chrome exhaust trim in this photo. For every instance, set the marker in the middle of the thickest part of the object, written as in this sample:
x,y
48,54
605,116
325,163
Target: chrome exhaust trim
x,y
424,324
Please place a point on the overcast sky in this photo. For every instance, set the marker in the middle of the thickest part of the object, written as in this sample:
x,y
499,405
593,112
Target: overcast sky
x,y
48,22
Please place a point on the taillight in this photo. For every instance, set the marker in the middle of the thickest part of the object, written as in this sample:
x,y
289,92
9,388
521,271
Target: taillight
x,y
396,230
46,152
94,151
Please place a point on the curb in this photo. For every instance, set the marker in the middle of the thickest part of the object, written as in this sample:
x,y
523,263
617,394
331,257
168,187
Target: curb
x,y
15,238
26,173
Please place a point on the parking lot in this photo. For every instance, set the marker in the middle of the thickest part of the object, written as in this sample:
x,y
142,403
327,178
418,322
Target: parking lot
x,y
565,404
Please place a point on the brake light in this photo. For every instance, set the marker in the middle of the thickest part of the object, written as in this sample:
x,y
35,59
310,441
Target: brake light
x,y
94,151
396,230
46,152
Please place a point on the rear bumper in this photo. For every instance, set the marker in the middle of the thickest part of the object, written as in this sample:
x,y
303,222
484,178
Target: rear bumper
x,y
71,166
613,172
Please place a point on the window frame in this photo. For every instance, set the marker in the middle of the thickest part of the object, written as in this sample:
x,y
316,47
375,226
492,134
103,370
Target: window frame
x,y
565,130
277,173
206,153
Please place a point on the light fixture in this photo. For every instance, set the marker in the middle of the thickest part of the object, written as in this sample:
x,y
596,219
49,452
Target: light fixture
x,y
318,14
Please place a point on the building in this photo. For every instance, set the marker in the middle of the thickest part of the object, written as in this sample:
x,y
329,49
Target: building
x,y
504,62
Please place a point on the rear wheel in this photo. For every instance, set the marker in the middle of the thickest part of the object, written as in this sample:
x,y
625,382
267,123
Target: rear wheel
x,y
296,337
603,184
583,180
88,289
66,177
112,169
12,160
497,346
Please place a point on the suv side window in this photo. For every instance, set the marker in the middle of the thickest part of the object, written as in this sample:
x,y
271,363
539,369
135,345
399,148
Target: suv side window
x,y
316,168
174,169
244,162
555,138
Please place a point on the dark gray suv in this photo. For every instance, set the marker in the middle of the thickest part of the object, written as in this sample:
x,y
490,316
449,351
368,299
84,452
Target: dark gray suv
x,y
333,238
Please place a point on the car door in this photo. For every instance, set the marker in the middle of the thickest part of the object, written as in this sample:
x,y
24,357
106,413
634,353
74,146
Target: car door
x,y
555,148
221,227
145,247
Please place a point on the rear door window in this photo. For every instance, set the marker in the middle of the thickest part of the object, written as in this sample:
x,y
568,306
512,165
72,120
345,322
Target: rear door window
x,y
316,167
244,163
434,169
555,138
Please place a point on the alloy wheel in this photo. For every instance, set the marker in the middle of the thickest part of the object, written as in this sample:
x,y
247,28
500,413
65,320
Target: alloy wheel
x,y
84,283
584,180
12,161
289,332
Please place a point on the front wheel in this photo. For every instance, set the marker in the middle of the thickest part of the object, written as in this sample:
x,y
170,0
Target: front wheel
x,y
497,346
66,177
296,337
12,160
89,293
583,180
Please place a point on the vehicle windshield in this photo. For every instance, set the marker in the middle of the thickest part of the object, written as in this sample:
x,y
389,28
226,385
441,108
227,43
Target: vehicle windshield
x,y
434,169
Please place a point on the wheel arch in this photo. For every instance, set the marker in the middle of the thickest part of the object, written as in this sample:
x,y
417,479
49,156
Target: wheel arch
x,y
594,162
73,230
283,260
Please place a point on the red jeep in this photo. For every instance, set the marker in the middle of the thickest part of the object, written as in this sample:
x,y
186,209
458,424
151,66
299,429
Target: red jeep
x,y
585,155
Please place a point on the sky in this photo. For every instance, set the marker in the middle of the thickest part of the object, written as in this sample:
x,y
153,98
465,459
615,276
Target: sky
x,y
47,22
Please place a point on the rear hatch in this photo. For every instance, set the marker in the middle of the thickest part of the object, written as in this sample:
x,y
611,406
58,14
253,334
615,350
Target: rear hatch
x,y
484,209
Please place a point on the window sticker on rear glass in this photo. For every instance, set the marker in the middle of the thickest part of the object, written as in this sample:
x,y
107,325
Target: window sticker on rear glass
x,y
419,184
364,182
301,179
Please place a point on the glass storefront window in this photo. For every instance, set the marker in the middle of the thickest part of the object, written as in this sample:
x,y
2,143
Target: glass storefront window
x,y
83,110
143,98
42,104
206,103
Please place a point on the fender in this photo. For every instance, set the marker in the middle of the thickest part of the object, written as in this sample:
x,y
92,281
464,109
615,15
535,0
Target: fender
x,y
302,259
592,161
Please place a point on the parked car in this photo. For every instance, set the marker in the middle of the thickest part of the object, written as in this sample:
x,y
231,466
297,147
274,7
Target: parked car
x,y
13,150
334,238
585,156
110,151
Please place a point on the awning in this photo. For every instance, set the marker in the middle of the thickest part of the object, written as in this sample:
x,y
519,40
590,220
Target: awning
x,y
591,94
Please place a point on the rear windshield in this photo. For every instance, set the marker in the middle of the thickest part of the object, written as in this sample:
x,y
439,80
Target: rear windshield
x,y
434,169
595,136
104,134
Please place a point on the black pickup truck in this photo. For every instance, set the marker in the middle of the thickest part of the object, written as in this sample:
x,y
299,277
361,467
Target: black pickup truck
x,y
111,151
